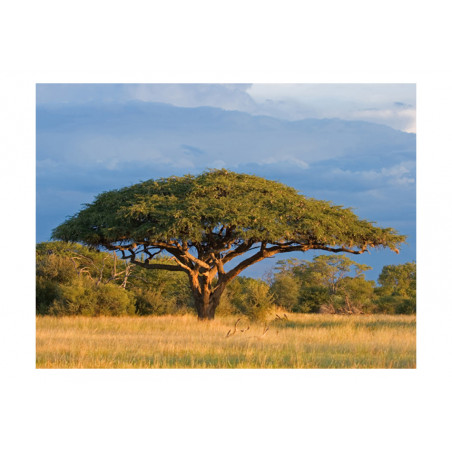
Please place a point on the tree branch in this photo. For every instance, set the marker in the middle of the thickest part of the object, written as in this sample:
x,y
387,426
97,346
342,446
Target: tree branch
x,y
241,249
263,253
173,268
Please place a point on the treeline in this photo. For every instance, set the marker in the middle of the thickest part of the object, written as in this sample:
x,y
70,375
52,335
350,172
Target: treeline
x,y
336,284
72,279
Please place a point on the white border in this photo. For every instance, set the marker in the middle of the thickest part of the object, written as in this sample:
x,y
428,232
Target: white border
x,y
254,410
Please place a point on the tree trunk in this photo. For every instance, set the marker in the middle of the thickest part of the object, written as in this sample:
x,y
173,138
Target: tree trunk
x,y
206,303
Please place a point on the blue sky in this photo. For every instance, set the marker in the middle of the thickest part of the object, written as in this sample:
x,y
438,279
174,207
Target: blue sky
x,y
353,144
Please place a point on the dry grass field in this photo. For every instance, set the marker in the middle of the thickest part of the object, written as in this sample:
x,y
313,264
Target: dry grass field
x,y
304,341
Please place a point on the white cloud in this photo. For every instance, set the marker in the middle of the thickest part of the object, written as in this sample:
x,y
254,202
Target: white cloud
x,y
400,174
403,118
286,159
225,96
388,104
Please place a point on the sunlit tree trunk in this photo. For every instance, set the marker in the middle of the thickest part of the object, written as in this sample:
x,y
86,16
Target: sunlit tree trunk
x,y
207,300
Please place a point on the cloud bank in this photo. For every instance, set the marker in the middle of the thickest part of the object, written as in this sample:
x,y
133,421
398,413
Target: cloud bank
x,y
393,105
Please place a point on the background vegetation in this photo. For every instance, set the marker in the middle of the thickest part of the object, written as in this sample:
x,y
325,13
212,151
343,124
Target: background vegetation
x,y
72,279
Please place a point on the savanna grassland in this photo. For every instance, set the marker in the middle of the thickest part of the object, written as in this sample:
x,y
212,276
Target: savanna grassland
x,y
303,341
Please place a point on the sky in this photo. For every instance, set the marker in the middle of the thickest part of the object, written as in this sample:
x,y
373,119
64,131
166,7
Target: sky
x,y
352,144
384,103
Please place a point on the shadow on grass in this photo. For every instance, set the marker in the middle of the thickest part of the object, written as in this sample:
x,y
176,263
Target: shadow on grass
x,y
360,324
379,324
300,325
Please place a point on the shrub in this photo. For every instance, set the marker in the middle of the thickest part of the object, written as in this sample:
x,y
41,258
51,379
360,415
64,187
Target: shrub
x,y
285,290
47,292
312,298
393,304
154,302
85,298
407,306
252,298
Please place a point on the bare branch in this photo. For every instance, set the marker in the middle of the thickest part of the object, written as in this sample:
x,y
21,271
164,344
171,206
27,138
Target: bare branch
x,y
229,334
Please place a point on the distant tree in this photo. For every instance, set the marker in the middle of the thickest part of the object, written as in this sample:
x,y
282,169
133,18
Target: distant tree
x,y
398,280
205,222
328,283
286,290
397,289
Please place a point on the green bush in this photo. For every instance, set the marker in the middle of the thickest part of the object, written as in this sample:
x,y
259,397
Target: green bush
x,y
226,306
407,306
72,279
252,298
161,293
86,298
154,302
393,304
285,290
311,299
47,292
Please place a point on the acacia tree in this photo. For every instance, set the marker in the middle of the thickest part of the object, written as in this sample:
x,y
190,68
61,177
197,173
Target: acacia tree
x,y
204,222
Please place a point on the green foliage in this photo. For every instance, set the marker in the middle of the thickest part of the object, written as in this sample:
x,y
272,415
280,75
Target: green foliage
x,y
53,268
325,285
357,293
160,293
397,291
191,208
206,221
398,280
250,297
72,279
311,299
47,293
407,306
285,290
83,297
229,305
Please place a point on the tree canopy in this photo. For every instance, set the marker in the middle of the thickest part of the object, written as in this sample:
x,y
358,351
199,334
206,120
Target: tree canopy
x,y
208,220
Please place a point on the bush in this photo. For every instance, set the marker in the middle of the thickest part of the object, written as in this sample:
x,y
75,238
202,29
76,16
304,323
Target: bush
x,y
226,306
393,304
85,298
72,279
311,299
162,294
285,290
154,302
407,306
47,292
252,297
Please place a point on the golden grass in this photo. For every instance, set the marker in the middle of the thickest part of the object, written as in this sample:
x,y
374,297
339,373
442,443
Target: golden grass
x,y
305,341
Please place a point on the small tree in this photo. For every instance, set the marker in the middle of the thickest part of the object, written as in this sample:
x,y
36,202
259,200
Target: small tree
x,y
252,297
397,289
326,285
286,289
209,221
398,280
